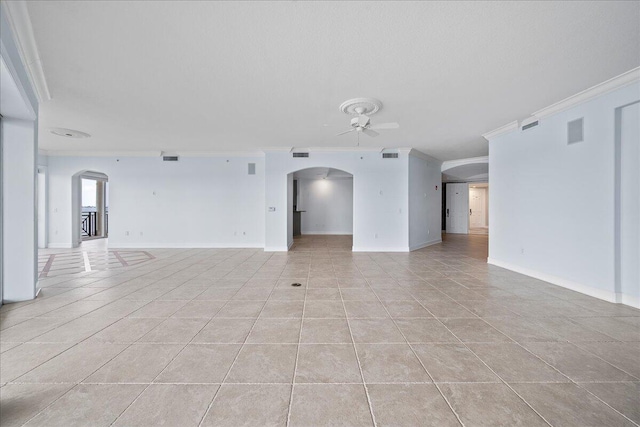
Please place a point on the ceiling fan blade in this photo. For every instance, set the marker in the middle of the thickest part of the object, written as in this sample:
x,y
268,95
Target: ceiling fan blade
x,y
385,126
346,131
370,132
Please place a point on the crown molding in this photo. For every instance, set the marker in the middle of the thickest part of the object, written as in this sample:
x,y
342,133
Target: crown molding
x,y
460,162
277,150
20,22
342,149
85,153
501,130
220,153
419,154
617,82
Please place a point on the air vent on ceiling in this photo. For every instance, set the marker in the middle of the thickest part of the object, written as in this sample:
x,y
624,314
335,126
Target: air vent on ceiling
x,y
252,168
300,154
530,125
575,131
169,158
389,155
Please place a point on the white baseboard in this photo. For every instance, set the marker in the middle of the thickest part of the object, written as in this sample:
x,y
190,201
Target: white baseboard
x,y
60,246
276,248
335,233
119,245
424,245
630,300
382,249
559,281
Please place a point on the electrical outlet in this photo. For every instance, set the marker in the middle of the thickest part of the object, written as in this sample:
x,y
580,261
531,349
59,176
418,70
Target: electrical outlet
x,y
375,235
522,250
126,233
141,234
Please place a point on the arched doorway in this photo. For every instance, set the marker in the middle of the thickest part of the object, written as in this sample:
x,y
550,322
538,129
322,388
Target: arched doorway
x,y
90,206
320,209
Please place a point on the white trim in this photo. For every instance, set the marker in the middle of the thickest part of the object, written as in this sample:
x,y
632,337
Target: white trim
x,y
340,149
120,245
276,249
449,164
630,300
501,130
18,17
383,249
84,153
420,155
59,245
220,153
424,245
555,280
617,82
335,233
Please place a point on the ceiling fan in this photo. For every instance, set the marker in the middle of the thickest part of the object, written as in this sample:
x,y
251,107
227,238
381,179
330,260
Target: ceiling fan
x,y
362,108
362,124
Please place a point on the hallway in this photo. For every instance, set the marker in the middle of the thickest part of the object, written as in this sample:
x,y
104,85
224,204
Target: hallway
x,y
220,337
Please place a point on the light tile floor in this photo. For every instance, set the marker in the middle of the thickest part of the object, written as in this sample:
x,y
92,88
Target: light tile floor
x,y
220,338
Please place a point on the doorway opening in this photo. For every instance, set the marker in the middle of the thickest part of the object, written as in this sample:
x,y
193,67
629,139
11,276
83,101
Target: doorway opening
x,y
478,208
466,208
90,206
94,222
321,210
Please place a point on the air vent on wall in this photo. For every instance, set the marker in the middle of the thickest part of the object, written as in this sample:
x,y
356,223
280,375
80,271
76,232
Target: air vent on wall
x,y
530,125
300,154
169,158
389,155
575,131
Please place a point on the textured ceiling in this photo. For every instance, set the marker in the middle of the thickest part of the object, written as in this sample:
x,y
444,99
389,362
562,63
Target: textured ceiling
x,y
235,76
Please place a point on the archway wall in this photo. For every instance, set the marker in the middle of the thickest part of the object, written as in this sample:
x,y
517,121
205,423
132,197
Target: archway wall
x,y
380,197
196,202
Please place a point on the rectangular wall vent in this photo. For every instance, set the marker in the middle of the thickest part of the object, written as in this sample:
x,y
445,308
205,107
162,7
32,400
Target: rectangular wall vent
x,y
389,155
252,168
169,158
300,154
530,125
575,131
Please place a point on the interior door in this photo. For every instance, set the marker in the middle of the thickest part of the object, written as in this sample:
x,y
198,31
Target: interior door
x,y
457,210
477,201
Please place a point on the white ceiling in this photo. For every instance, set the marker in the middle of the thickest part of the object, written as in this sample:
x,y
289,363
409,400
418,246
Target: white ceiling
x,y
234,76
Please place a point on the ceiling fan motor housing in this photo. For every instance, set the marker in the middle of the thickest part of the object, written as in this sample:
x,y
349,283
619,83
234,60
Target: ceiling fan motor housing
x,y
360,121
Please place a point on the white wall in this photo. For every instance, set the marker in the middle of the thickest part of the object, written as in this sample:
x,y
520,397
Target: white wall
x,y
328,205
195,202
19,221
425,201
628,281
380,192
552,205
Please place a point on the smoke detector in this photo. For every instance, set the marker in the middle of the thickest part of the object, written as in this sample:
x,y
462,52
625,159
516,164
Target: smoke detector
x,y
69,133
361,106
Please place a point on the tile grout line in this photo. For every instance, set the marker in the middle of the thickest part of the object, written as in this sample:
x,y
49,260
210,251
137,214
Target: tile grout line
x,y
242,346
79,382
420,361
483,362
355,349
570,380
295,366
